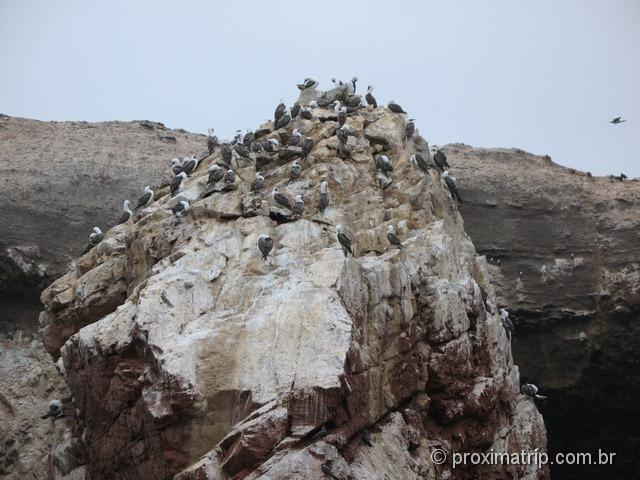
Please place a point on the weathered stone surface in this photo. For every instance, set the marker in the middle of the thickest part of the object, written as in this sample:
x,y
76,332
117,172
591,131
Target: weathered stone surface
x,y
188,355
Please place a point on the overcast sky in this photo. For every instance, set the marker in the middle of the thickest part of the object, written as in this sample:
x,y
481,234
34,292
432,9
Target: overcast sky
x,y
545,76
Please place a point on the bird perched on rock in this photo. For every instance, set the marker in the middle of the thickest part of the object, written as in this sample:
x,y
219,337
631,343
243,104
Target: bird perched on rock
x,y
280,199
270,145
212,141
295,110
506,322
216,173
258,182
384,164
265,244
366,437
306,113
617,120
226,150
248,138
371,100
230,177
419,161
451,186
294,138
255,147
145,199
485,301
237,137
180,208
307,83
283,121
174,187
342,135
298,205
352,85
127,213
55,410
279,112
327,470
393,240
176,166
344,240
242,150
409,129
530,390
320,433
394,107
323,200
342,115
95,237
189,164
294,171
384,180
307,146
313,104
439,158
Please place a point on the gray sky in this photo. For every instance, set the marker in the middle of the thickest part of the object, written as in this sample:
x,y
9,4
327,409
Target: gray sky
x,y
543,75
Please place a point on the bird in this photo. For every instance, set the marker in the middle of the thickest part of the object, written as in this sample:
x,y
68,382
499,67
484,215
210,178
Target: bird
x,y
394,107
342,115
320,433
55,410
323,201
279,198
409,129
623,177
265,244
226,150
256,147
229,177
176,166
280,110
283,121
270,145
384,180
248,138
530,390
242,150
306,113
294,171
326,469
258,183
344,241
451,185
366,437
419,161
307,83
127,213
352,89
180,208
307,146
189,164
176,182
237,137
298,205
313,104
393,240
439,158
371,100
617,120
295,110
506,321
342,135
383,163
294,138
212,141
145,199
216,173
486,302
96,236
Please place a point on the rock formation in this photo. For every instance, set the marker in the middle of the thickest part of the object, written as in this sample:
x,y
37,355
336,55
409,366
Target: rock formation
x,y
563,249
59,179
189,356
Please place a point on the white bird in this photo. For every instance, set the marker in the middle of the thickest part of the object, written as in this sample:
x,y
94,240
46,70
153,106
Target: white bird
x,y
530,390
393,240
127,213
180,208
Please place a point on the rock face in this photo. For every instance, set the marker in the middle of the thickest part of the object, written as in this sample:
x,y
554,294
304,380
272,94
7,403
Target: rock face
x,y
59,179
189,356
564,255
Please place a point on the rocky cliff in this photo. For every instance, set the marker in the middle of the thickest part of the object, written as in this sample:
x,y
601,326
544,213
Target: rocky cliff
x,y
563,250
59,179
188,355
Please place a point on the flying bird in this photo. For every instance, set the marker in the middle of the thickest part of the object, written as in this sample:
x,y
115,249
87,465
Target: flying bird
x,y
394,107
419,161
393,240
176,182
145,199
298,205
530,390
384,164
294,171
439,158
127,213
451,185
258,183
344,241
280,199
371,100
323,201
617,120
216,173
180,208
265,244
